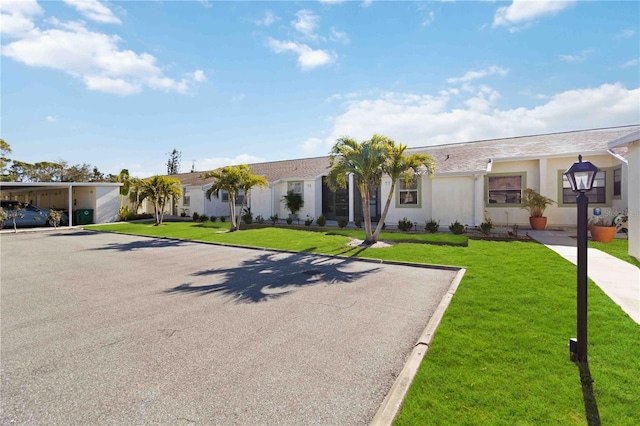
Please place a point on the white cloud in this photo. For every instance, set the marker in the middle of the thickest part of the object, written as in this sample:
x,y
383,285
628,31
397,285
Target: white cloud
x,y
50,119
576,58
308,58
366,3
428,20
213,163
94,58
625,34
331,1
339,36
206,3
16,17
631,63
474,75
524,12
94,10
269,18
421,120
306,23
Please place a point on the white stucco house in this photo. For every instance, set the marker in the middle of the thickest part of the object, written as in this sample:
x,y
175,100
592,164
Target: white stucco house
x,y
473,181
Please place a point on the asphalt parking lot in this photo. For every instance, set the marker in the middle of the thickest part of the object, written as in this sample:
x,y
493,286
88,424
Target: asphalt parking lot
x,y
113,329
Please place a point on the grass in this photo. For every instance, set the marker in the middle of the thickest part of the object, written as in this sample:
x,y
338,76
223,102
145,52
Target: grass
x,y
618,248
500,355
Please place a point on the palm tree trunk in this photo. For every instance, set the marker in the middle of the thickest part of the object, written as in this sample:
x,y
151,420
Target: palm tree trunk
x,y
366,210
387,204
232,211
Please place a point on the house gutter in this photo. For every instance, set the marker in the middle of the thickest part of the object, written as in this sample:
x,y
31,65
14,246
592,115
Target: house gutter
x,y
618,156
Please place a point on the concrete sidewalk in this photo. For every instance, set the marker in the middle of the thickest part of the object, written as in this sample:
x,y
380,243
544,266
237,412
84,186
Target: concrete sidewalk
x,y
620,280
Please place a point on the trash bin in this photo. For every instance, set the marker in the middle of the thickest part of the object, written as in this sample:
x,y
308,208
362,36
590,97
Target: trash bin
x,y
83,216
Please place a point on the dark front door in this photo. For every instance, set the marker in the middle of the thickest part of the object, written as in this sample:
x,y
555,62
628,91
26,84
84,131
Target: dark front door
x,y
335,204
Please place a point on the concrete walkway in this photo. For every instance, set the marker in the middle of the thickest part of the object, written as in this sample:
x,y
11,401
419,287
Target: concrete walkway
x,y
620,280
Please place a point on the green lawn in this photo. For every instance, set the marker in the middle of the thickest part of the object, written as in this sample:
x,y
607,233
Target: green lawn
x,y
500,355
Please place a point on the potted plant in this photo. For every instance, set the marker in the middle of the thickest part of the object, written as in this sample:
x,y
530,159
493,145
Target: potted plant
x,y
536,204
293,202
602,230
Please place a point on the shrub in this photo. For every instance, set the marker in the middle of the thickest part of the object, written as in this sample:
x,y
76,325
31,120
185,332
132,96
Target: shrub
x,y
223,219
54,217
213,218
308,221
405,224
384,225
321,221
432,226
358,222
289,221
203,218
486,226
274,219
125,213
342,223
456,227
260,219
515,229
247,216
195,216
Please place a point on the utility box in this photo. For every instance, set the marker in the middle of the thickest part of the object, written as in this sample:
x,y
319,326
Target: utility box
x,y
82,216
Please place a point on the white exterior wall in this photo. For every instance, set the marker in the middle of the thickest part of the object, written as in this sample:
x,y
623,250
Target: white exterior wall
x,y
312,200
633,185
107,205
260,201
419,214
453,199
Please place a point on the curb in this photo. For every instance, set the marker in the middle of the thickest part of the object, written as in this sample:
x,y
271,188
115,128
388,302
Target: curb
x,y
393,401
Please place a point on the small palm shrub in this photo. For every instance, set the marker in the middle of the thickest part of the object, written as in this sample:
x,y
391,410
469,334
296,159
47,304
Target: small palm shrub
x,y
247,216
342,223
486,226
432,226
195,216
274,219
456,227
203,218
405,224
358,222
125,213
260,219
308,221
213,218
321,221
289,221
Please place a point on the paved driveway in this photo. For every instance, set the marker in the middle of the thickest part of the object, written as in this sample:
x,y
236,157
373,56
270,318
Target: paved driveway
x,y
114,329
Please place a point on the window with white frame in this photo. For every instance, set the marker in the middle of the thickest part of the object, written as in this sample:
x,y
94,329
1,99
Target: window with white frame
x,y
408,192
598,195
296,187
186,197
505,189
617,182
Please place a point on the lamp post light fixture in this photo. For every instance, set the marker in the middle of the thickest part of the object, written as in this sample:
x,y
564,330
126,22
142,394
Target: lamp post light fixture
x,y
581,176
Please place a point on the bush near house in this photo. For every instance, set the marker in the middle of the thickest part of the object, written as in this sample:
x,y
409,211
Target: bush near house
x,y
405,224
342,223
321,221
456,227
432,226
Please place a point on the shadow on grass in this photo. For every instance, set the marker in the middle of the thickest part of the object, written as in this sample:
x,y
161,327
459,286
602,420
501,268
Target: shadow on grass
x,y
590,405
273,275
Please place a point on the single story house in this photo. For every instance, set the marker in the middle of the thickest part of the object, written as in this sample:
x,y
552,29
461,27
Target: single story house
x,y
473,181
101,198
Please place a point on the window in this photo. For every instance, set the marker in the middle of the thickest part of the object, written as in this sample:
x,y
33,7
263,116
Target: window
x,y
225,197
598,195
296,187
617,182
505,189
186,197
408,192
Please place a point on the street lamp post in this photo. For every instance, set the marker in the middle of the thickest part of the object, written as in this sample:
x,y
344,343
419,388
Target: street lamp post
x,y
581,176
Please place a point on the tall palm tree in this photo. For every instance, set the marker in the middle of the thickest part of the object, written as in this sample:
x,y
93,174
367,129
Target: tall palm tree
x,y
159,189
233,179
366,162
400,165
124,179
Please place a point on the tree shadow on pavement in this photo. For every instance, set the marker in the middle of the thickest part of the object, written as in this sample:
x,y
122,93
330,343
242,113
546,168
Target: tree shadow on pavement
x,y
147,243
273,275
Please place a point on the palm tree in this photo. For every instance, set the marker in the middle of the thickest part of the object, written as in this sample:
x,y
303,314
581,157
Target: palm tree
x,y
366,161
159,189
398,165
124,179
233,179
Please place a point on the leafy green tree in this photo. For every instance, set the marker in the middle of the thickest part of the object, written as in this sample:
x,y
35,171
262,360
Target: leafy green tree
x,y
5,149
159,190
366,161
233,179
400,165
125,179
173,164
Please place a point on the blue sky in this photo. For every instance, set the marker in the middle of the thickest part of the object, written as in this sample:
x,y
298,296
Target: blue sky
x,y
120,84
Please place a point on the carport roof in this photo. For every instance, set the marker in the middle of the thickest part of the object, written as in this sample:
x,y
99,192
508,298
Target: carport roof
x,y
14,186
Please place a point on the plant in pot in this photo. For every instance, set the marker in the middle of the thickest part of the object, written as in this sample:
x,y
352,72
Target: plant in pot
x,y
536,204
602,230
293,202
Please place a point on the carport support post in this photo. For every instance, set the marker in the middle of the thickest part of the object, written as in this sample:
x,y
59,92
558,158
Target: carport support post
x,y
70,205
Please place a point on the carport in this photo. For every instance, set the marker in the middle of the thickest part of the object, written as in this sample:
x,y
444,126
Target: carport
x,y
101,197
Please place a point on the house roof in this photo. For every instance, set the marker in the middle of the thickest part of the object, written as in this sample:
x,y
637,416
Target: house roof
x,y
458,158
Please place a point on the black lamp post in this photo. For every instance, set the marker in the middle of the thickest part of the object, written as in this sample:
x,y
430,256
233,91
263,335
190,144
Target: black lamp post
x,y
581,176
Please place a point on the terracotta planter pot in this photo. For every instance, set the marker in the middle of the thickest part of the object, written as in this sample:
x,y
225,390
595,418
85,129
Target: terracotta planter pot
x,y
538,223
603,234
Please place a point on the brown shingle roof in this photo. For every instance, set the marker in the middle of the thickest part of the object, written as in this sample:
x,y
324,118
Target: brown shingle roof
x,y
465,157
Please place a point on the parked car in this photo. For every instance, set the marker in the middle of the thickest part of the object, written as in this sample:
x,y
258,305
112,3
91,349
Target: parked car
x,y
29,216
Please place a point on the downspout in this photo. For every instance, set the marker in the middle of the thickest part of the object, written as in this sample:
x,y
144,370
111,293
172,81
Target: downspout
x,y
70,205
475,179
